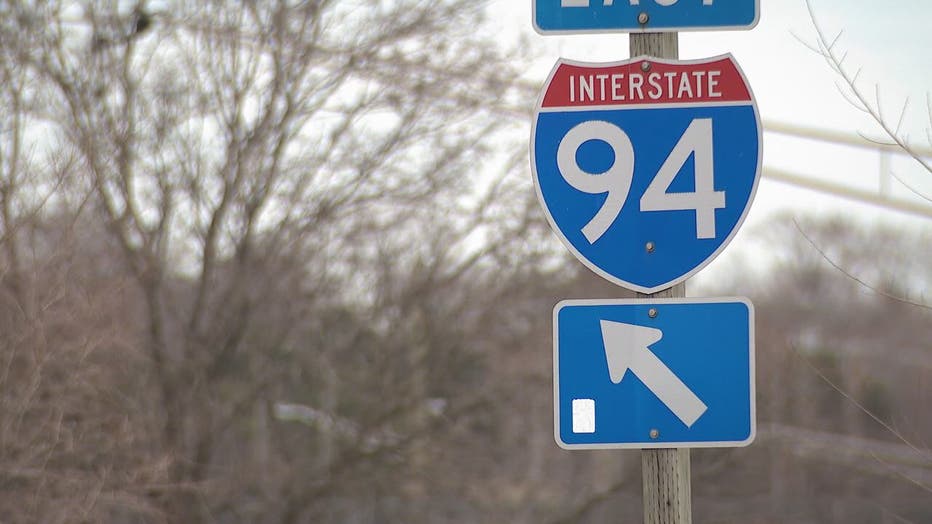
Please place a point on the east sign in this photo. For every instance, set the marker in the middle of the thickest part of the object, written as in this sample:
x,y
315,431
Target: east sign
x,y
595,16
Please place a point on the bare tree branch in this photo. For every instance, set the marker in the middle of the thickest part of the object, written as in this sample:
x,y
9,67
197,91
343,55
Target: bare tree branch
x,y
827,49
860,282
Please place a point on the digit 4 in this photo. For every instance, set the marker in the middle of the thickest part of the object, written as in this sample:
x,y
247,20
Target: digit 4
x,y
696,140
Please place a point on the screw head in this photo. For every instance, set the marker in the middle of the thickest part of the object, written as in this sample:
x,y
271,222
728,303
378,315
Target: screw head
x,y
643,18
652,313
645,66
650,247
654,434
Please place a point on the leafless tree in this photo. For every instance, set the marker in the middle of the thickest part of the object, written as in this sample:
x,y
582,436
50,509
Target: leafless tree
x,y
272,175
64,361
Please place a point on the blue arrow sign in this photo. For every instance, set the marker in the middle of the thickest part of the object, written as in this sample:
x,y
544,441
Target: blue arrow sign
x,y
596,16
646,168
654,374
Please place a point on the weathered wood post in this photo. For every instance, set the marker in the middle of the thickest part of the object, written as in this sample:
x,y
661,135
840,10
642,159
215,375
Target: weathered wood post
x,y
664,472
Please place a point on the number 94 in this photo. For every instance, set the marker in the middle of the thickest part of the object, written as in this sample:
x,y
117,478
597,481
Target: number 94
x,y
616,182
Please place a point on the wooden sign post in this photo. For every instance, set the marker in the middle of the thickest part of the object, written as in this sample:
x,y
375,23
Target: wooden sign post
x,y
664,472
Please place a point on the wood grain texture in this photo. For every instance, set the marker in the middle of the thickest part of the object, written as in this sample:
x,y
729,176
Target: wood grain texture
x,y
660,45
665,474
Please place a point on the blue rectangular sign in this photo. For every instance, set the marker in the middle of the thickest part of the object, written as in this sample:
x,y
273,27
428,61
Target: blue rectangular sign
x,y
630,16
673,373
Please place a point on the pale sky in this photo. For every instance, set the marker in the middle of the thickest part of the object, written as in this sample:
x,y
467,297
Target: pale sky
x,y
889,41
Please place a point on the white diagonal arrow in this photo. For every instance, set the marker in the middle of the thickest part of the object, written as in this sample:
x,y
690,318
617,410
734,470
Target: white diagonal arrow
x,y
627,347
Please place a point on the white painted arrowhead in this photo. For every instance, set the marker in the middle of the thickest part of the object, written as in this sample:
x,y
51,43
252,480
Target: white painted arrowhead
x,y
623,344
627,347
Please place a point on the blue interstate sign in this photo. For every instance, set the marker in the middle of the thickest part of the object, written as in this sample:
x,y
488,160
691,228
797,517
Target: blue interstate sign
x,y
654,374
646,168
594,16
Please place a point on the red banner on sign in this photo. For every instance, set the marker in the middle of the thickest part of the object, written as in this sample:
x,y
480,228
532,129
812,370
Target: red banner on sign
x,y
645,82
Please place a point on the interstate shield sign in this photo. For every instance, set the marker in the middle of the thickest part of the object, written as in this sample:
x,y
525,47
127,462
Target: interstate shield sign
x,y
646,168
